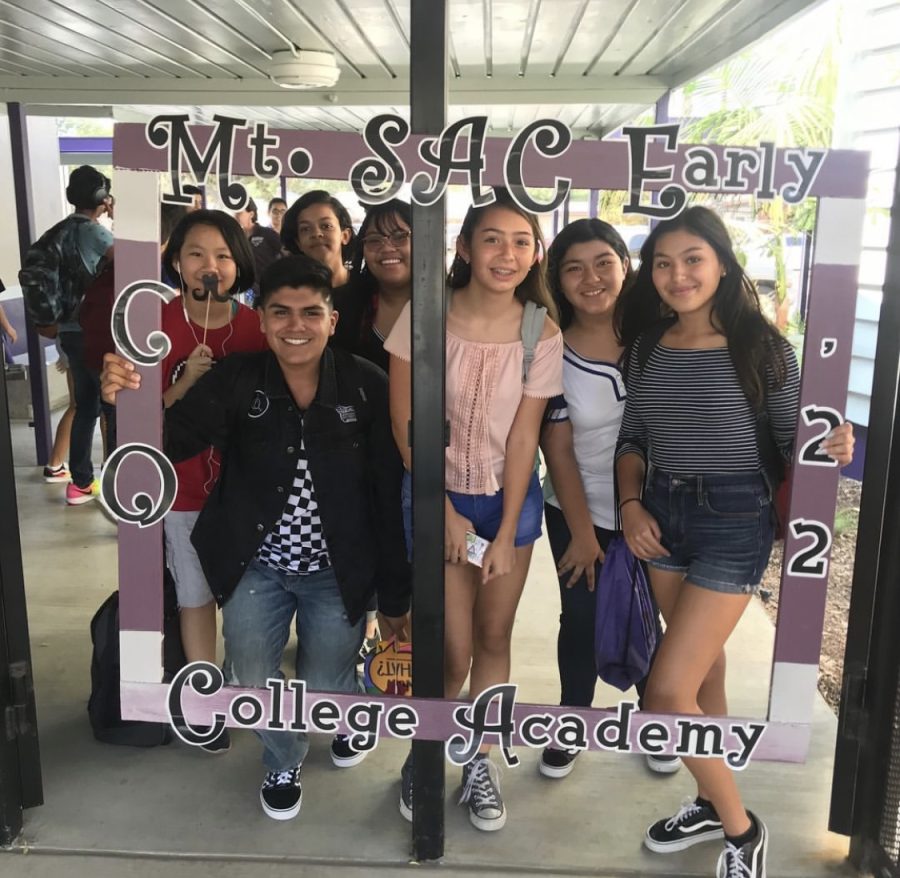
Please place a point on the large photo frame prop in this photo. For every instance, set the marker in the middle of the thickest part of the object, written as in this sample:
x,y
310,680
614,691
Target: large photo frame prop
x,y
657,173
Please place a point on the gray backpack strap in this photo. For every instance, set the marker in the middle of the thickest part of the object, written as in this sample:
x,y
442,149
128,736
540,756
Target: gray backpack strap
x,y
532,327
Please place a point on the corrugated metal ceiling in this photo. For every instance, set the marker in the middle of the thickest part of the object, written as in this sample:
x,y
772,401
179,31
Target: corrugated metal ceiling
x,y
592,63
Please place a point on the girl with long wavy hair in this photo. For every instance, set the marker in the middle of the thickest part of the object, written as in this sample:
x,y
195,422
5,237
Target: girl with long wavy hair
x,y
495,414
694,493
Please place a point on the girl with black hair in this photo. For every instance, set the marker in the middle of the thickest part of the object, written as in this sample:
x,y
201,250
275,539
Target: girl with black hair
x,y
368,306
588,267
318,225
495,415
206,253
695,501
380,282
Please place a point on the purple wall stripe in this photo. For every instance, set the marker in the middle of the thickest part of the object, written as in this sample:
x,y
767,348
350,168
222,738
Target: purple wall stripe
x,y
85,144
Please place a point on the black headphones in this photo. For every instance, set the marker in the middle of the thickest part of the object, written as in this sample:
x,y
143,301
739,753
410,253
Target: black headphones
x,y
101,193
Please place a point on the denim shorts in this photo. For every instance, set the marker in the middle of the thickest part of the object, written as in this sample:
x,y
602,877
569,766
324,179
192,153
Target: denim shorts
x,y
718,528
485,511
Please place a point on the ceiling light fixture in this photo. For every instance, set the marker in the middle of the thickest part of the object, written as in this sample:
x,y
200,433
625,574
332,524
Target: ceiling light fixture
x,y
303,68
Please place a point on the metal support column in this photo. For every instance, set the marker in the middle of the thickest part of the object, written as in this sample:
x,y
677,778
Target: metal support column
x,y
866,755
20,766
37,376
428,111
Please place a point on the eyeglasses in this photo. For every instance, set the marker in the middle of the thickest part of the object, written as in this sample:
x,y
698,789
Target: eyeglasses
x,y
396,239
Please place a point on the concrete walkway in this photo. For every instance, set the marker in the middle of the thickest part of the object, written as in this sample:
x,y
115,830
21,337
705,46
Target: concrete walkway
x,y
173,810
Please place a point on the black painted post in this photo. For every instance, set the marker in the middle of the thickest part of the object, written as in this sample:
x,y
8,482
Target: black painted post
x,y
20,767
37,379
428,110
866,752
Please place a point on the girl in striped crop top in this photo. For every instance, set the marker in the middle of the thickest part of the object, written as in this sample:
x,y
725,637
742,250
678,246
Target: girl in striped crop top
x,y
694,499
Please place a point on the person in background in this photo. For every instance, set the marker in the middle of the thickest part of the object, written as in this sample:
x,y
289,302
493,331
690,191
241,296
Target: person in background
x,y
89,192
277,210
380,282
7,330
264,242
56,469
170,215
368,306
196,194
318,225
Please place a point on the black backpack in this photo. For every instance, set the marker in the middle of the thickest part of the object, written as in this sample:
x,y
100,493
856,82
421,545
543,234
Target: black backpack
x,y
104,706
53,276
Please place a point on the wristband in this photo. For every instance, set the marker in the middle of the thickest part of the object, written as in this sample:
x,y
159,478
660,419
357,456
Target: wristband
x,y
629,500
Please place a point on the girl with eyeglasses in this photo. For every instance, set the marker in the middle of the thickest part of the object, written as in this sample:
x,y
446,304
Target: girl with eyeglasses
x,y
380,282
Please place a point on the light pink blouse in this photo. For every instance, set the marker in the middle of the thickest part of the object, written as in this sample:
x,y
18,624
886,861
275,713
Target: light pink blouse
x,y
484,389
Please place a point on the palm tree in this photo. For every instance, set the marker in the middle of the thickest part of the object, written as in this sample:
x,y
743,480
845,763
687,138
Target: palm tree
x,y
783,91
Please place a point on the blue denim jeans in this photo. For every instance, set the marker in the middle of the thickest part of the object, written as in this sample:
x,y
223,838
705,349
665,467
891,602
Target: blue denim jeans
x,y
88,405
256,623
718,528
87,409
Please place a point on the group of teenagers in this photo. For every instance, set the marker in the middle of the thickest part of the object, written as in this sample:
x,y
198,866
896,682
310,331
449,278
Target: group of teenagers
x,y
289,428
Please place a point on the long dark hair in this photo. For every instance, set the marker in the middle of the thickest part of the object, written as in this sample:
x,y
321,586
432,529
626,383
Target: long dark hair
x,y
292,220
235,240
581,232
757,348
534,286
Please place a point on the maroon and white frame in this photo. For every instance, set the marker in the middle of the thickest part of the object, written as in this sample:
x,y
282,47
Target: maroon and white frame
x,y
839,186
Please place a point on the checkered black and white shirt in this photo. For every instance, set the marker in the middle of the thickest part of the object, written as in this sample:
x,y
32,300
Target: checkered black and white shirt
x,y
297,544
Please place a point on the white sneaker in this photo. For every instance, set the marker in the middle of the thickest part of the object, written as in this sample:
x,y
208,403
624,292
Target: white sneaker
x,y
663,764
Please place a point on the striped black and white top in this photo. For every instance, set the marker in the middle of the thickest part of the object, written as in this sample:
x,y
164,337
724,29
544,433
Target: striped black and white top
x,y
687,413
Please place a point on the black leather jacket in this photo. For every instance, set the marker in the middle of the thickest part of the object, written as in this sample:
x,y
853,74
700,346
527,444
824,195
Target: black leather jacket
x,y
243,407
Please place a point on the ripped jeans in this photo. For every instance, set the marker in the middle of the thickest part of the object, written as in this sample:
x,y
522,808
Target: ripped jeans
x,y
256,623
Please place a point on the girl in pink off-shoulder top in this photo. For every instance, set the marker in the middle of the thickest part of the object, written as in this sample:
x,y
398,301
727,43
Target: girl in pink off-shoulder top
x,y
495,419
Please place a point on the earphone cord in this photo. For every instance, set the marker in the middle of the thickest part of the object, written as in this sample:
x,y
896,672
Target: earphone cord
x,y
211,474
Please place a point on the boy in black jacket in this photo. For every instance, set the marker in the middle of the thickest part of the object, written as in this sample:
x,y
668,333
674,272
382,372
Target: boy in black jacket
x,y
306,515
